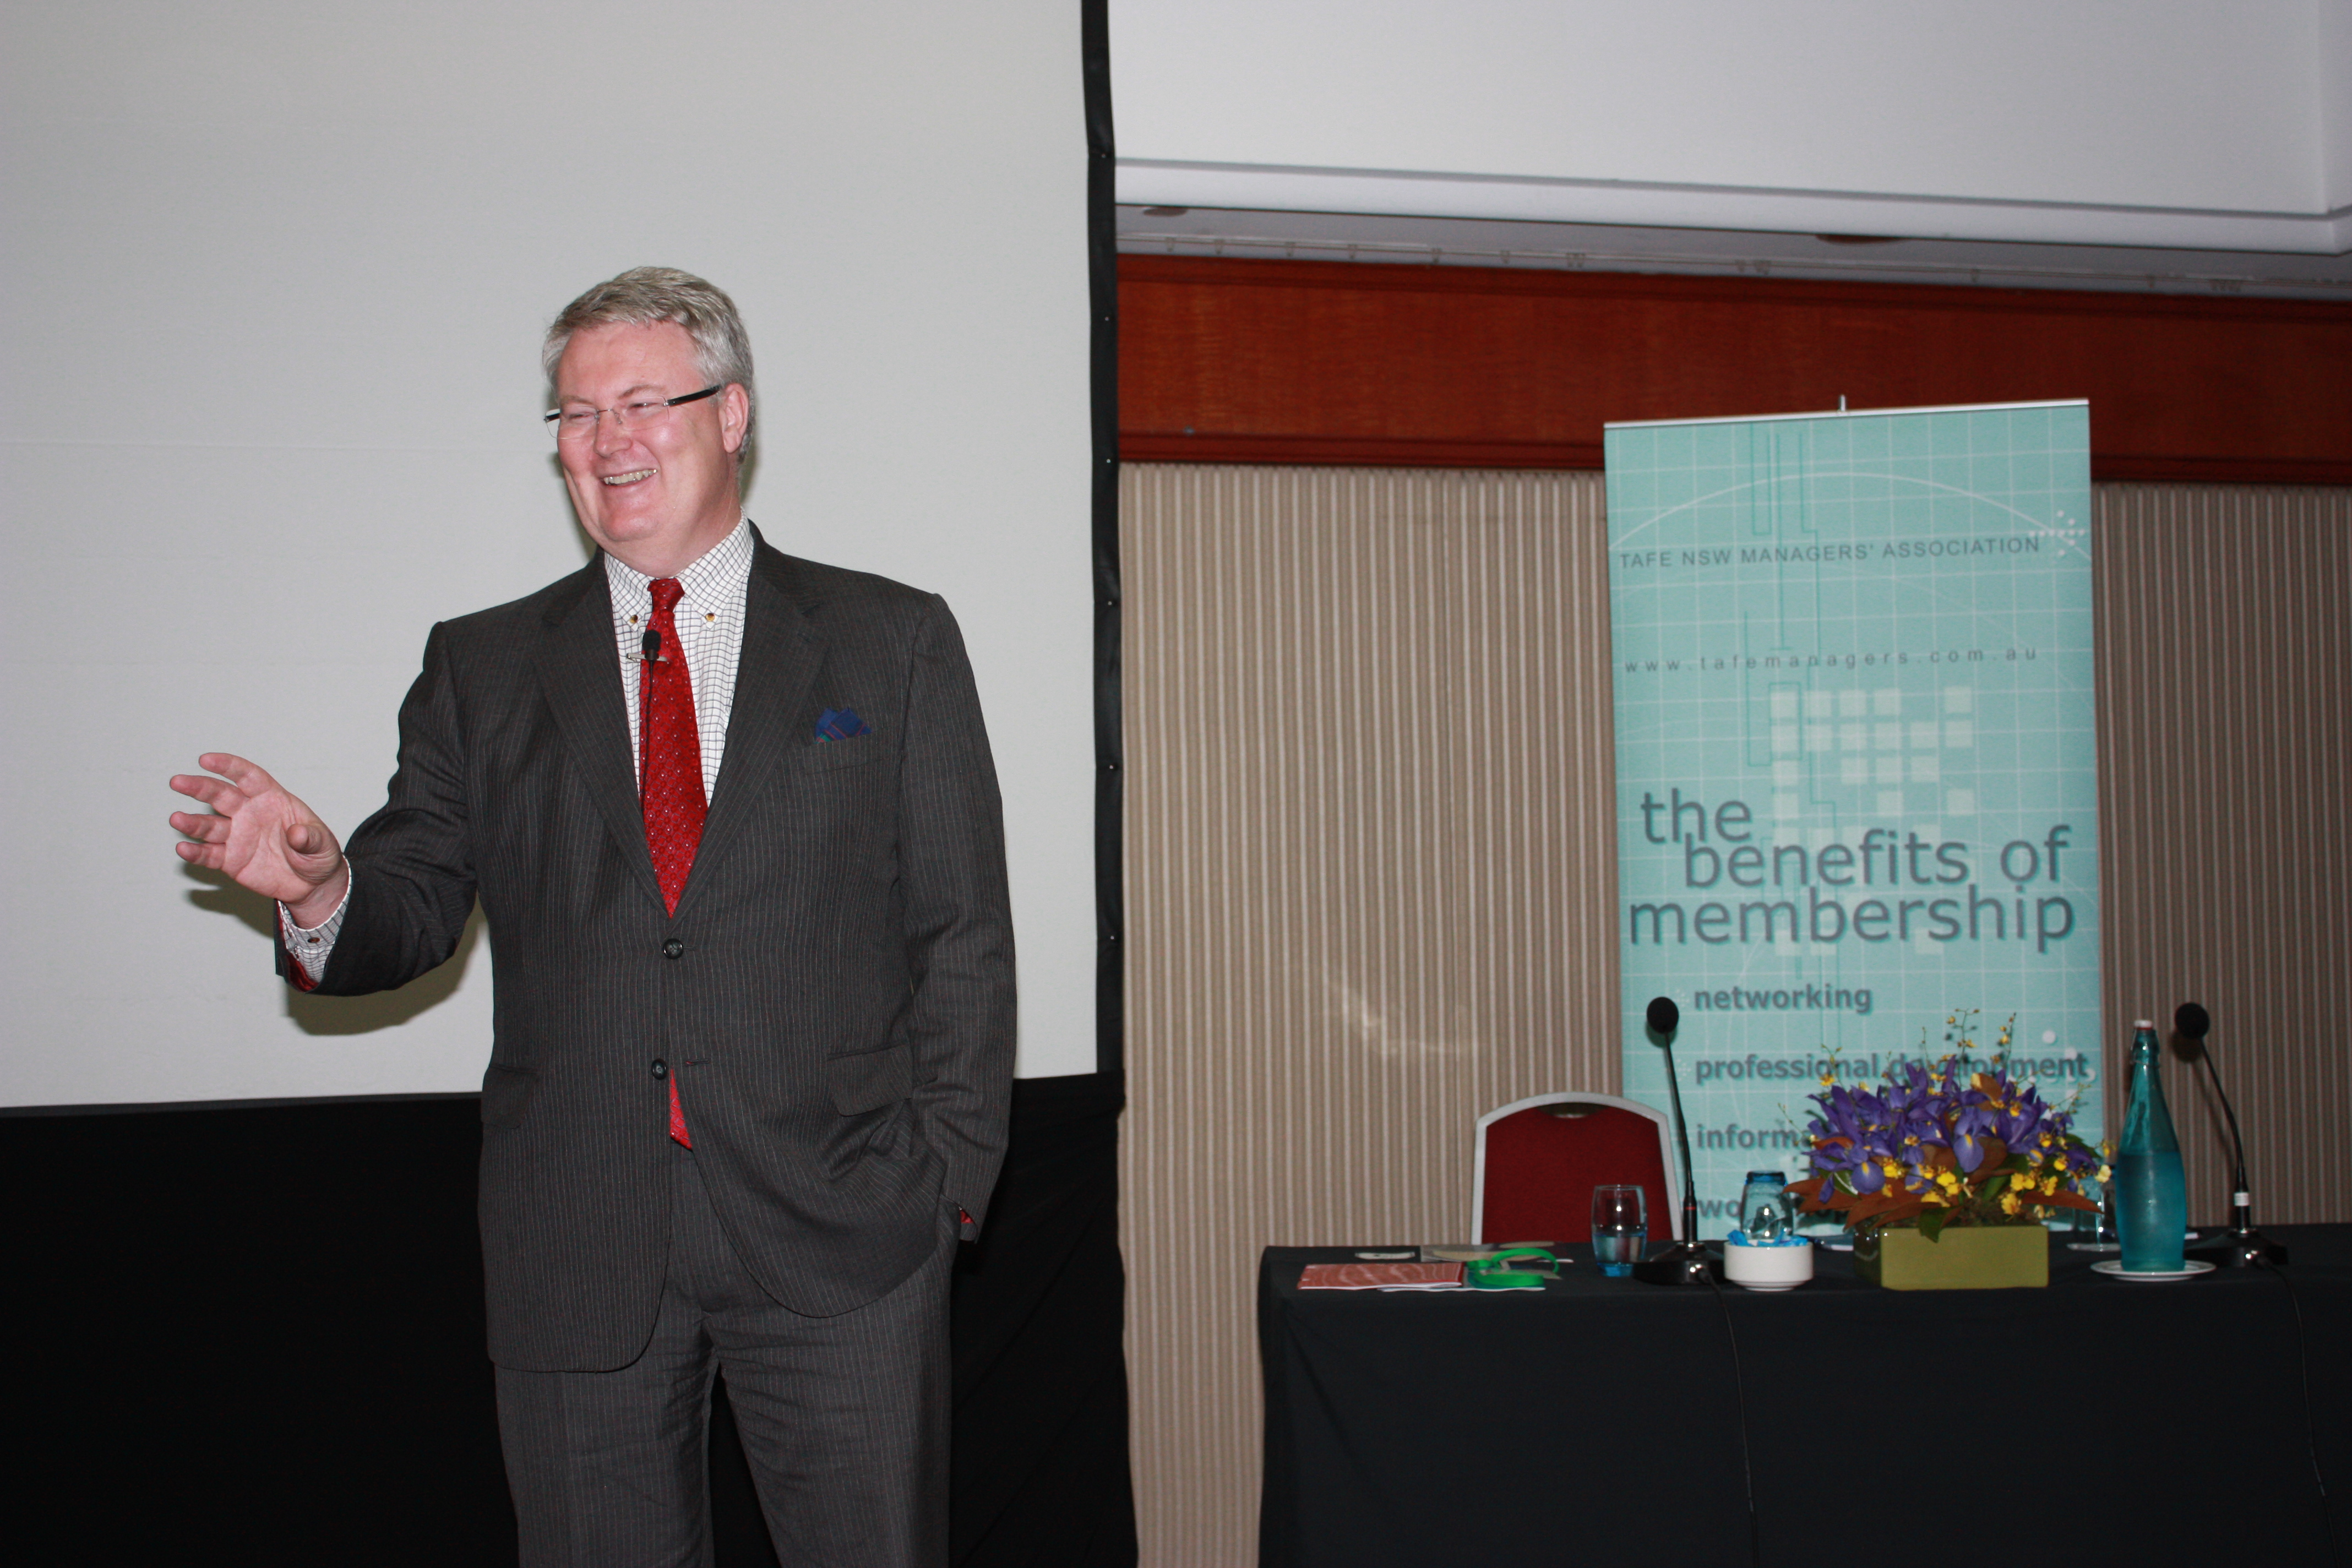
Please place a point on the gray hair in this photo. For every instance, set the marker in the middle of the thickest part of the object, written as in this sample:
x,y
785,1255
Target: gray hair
x,y
643,295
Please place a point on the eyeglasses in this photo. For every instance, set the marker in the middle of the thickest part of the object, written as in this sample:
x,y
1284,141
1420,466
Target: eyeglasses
x,y
644,414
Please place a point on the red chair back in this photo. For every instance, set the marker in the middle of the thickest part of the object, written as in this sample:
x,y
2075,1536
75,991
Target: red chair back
x,y
1541,1167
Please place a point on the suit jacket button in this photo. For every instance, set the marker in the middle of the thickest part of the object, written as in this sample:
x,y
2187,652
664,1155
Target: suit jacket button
x,y
661,1067
672,948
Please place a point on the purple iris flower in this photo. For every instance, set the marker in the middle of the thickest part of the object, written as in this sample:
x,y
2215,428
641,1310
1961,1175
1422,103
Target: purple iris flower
x,y
1974,1124
1861,1133
1832,1159
2027,1122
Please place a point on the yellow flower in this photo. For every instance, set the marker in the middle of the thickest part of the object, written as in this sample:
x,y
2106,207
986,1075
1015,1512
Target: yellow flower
x,y
2105,1174
1891,1168
2049,1185
2009,1203
2047,1140
2019,1181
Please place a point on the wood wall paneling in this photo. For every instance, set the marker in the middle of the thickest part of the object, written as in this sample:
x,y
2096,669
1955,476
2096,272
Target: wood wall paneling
x,y
2225,742
1299,362
1369,895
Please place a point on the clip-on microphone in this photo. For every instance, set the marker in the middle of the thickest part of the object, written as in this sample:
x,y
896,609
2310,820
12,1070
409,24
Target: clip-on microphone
x,y
1686,1262
2244,1246
648,652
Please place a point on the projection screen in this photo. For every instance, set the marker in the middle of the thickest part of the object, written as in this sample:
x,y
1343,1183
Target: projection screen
x,y
277,276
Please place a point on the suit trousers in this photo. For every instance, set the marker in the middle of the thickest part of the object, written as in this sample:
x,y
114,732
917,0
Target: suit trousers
x,y
844,1421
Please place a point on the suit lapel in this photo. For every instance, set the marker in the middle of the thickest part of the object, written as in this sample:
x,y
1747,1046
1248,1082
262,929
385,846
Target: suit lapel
x,y
578,659
781,654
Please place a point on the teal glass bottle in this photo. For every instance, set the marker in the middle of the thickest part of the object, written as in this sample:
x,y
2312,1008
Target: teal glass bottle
x,y
2151,1193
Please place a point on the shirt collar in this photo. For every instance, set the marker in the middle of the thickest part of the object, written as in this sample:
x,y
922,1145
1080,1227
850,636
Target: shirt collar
x,y
718,573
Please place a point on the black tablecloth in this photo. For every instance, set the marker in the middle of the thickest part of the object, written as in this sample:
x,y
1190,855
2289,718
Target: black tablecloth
x,y
2098,1421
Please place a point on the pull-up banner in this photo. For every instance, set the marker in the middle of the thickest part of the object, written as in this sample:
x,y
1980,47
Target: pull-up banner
x,y
1857,761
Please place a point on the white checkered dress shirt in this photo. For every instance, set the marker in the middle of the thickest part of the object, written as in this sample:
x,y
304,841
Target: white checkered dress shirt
x,y
709,616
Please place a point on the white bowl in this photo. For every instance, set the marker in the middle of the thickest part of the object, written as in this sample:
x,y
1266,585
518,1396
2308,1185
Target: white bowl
x,y
1768,1268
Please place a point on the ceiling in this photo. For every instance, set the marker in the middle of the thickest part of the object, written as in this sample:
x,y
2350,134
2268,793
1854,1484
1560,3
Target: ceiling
x,y
2170,145
1162,230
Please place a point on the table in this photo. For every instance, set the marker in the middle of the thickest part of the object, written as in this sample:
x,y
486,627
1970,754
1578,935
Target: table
x,y
2098,1421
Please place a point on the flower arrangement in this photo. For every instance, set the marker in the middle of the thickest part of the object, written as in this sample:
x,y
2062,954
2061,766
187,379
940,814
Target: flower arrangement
x,y
1943,1145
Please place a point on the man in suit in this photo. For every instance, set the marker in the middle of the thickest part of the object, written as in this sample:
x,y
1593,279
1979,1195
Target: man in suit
x,y
732,821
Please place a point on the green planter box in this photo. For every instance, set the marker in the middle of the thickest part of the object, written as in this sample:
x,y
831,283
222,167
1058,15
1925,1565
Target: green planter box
x,y
1970,1257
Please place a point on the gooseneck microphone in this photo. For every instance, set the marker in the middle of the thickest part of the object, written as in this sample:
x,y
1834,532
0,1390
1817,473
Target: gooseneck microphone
x,y
1664,1018
1686,1262
2244,1246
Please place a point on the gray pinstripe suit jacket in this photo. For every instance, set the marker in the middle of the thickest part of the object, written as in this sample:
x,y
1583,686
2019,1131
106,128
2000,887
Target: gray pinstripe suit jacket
x,y
835,993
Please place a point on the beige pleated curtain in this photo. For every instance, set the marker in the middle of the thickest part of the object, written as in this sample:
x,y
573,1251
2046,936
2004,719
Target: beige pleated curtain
x,y
1371,892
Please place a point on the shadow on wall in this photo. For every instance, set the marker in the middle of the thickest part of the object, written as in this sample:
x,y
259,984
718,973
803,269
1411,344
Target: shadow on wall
x,y
337,1015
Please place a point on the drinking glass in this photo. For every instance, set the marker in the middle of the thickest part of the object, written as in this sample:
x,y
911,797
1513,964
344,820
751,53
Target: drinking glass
x,y
1764,1215
1620,1225
2103,1224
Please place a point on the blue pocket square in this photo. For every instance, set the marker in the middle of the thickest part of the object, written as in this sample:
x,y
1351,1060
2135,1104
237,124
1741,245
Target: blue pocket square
x,y
840,724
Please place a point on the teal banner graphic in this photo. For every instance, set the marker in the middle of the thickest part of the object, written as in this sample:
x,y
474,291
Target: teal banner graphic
x,y
1857,760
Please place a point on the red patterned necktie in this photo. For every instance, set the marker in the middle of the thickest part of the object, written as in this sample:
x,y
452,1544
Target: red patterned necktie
x,y
671,789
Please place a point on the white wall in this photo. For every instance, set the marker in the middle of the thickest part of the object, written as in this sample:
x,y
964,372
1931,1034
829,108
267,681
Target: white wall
x,y
2332,56
2123,122
277,277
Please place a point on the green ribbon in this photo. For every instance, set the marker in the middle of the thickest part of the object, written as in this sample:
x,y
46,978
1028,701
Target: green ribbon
x,y
1491,1273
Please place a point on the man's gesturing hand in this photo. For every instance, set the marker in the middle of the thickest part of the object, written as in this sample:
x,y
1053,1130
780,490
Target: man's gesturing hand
x,y
264,837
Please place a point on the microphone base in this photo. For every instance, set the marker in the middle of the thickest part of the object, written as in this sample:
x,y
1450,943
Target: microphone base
x,y
1684,1263
2247,1249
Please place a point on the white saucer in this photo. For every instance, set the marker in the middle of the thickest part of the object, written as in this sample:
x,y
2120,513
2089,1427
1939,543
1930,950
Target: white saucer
x,y
2115,1268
